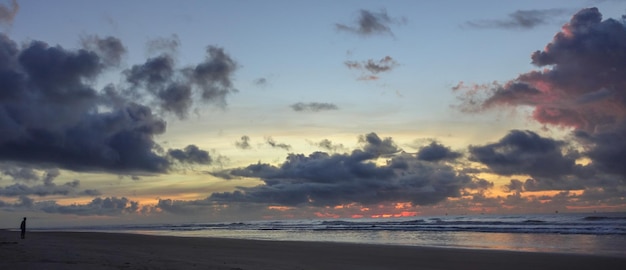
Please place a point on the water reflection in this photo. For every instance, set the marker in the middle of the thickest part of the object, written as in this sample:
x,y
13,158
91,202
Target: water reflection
x,y
614,245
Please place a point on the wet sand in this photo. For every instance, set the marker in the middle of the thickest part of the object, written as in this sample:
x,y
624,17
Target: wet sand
x,y
90,250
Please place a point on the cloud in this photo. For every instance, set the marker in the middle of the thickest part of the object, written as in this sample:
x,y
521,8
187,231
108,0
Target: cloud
x,y
436,152
108,206
479,184
514,185
182,207
313,106
271,142
374,145
91,192
7,14
167,46
607,149
110,49
525,152
243,143
371,68
23,202
19,173
173,89
520,19
191,154
584,65
52,116
326,144
260,82
321,179
581,87
371,23
39,190
213,76
46,189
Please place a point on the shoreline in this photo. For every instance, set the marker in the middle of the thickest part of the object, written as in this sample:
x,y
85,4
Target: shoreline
x,y
99,250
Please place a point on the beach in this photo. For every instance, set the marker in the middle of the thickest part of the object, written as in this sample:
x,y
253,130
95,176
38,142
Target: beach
x,y
95,250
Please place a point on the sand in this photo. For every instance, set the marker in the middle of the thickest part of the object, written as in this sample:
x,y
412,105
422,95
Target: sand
x,y
90,250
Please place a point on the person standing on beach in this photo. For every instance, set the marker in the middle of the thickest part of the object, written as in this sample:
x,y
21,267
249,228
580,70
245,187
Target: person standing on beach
x,y
23,228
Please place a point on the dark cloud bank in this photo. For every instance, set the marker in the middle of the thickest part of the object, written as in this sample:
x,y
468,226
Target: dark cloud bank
x,y
52,115
321,179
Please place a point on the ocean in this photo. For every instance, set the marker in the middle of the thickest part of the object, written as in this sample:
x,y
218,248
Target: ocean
x,y
592,233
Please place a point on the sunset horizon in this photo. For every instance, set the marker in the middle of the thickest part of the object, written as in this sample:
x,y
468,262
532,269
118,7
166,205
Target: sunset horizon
x,y
226,111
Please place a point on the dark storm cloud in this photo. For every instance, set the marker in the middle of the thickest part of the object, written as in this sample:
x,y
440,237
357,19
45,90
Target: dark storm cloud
x,y
525,152
156,76
213,76
53,118
51,115
479,184
607,149
514,185
7,14
436,152
370,23
581,85
108,206
243,143
520,19
584,64
322,179
173,89
313,107
542,183
191,154
376,146
565,183
271,142
153,74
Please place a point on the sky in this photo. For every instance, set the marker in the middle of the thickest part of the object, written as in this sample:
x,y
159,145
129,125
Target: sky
x,y
119,112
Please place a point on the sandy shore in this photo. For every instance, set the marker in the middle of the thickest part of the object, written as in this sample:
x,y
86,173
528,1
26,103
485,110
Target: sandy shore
x,y
73,250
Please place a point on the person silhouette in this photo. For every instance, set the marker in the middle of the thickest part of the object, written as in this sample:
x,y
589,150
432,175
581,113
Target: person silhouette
x,y
23,227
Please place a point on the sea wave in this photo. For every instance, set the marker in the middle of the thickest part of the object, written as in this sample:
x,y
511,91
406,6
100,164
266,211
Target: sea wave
x,y
614,224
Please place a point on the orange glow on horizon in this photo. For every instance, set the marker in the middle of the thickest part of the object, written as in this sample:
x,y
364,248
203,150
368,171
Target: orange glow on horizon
x,y
279,208
403,205
326,215
396,215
